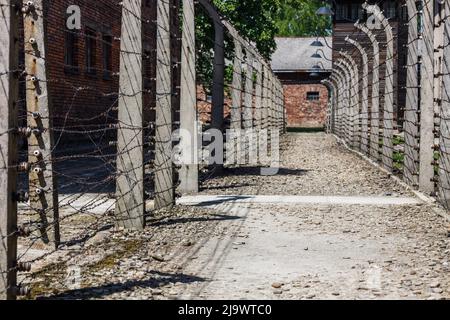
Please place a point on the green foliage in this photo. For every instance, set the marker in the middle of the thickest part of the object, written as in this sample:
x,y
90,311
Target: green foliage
x,y
253,21
298,18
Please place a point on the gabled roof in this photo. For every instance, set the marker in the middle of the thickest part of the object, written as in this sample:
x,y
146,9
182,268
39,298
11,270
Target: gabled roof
x,y
294,54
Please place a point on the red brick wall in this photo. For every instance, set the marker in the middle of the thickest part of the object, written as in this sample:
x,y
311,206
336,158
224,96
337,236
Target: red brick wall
x,y
300,111
80,99
86,102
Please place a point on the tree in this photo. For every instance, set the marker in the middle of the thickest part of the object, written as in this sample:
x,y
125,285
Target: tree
x,y
298,18
253,20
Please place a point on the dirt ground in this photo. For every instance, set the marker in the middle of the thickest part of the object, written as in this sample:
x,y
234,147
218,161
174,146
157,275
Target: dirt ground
x,y
229,249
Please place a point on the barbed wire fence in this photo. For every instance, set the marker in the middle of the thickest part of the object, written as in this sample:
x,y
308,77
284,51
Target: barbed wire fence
x,y
409,140
86,148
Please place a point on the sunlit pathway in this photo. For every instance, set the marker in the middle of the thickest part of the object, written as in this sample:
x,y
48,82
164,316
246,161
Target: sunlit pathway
x,y
328,226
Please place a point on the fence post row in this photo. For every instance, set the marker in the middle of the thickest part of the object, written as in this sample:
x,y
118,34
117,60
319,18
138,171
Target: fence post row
x,y
375,105
355,99
365,95
426,110
338,102
336,83
346,101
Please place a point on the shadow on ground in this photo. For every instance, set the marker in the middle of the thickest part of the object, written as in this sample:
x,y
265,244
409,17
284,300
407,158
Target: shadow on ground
x,y
157,280
256,171
171,221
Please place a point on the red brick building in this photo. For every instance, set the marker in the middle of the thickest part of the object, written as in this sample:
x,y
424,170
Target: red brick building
x,y
305,98
83,67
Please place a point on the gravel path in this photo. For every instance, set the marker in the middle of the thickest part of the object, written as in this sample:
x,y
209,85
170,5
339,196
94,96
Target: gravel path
x,y
312,164
242,250
326,252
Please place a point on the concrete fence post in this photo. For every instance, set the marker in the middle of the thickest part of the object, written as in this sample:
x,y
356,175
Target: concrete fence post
x,y
9,81
130,205
439,42
411,126
218,93
189,172
164,186
42,184
426,171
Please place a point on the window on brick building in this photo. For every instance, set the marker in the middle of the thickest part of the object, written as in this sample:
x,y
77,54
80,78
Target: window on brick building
x,y
341,11
313,96
71,51
91,46
390,9
356,12
107,56
148,66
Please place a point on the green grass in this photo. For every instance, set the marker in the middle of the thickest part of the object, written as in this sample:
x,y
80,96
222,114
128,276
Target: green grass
x,y
399,160
398,141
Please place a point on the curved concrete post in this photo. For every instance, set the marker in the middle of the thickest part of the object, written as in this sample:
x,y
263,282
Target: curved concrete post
x,y
337,102
375,105
347,99
355,99
341,100
330,86
349,74
336,83
365,95
387,156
